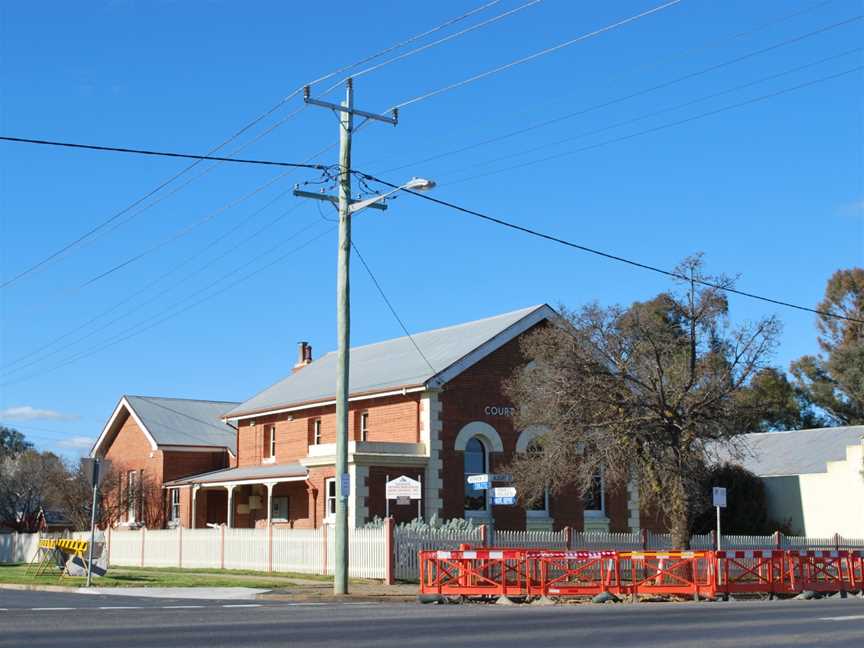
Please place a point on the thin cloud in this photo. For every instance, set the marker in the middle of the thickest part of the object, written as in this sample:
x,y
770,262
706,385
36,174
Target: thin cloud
x,y
77,442
29,413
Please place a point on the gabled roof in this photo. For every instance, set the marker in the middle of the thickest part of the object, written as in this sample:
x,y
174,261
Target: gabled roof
x,y
795,452
172,422
396,364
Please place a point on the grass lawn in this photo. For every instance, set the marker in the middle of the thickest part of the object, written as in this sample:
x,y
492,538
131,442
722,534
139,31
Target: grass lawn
x,y
169,577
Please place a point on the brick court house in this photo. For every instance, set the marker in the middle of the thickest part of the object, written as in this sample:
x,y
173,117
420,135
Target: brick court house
x,y
437,421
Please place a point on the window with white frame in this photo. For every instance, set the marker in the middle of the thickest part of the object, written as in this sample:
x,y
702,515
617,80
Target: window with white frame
x,y
330,498
174,508
271,441
540,507
475,464
316,432
594,498
364,426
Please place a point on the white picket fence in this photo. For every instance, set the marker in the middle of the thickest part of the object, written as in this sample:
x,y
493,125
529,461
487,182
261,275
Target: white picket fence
x,y
311,551
304,551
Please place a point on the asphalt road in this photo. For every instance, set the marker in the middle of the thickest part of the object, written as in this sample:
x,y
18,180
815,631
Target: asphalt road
x,y
36,619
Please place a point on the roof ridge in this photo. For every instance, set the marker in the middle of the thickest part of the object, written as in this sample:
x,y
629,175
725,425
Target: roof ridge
x,y
819,429
449,327
174,398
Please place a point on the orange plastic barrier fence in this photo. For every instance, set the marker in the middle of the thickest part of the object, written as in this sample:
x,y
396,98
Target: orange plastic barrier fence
x,y
533,572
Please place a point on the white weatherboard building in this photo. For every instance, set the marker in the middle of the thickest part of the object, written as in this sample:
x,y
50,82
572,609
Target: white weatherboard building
x,y
813,478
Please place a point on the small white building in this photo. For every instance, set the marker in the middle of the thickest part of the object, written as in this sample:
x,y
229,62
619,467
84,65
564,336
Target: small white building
x,y
813,478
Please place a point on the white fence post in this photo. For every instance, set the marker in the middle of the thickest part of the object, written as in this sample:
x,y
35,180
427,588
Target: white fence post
x,y
389,576
143,529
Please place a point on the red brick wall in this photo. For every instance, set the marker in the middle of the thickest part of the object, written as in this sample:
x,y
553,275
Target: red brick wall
x,y
131,450
178,464
464,400
375,502
391,419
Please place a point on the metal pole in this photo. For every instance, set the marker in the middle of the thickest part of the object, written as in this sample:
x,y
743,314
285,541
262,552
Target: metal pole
x,y
343,327
386,499
92,532
718,528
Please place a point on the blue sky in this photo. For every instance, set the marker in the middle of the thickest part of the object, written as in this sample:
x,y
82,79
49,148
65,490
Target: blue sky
x,y
771,191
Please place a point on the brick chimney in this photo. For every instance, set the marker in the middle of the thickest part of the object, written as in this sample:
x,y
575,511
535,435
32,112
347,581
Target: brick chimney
x,y
304,356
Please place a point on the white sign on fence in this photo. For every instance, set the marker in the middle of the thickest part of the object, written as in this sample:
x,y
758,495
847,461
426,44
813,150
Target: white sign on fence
x,y
404,487
504,491
720,496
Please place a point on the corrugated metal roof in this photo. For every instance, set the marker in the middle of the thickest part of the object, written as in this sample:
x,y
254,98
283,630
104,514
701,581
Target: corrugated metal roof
x,y
273,471
182,422
796,452
384,365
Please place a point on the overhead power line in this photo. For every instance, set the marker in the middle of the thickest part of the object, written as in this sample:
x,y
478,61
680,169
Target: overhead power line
x,y
150,323
536,55
169,154
390,306
449,37
254,122
623,98
661,127
607,255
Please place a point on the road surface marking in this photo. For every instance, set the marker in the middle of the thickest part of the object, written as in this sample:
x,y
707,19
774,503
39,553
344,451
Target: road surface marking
x,y
242,605
180,607
120,607
43,609
853,617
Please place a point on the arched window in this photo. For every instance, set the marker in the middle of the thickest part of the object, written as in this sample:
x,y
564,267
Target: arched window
x,y
475,464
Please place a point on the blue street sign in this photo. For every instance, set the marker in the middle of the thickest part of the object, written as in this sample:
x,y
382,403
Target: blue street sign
x,y
503,501
478,486
503,477
346,485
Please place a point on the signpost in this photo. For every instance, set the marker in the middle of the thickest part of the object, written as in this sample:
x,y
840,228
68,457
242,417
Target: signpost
x,y
719,502
92,470
504,495
403,489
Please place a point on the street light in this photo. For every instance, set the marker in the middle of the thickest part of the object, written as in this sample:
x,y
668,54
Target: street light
x,y
414,184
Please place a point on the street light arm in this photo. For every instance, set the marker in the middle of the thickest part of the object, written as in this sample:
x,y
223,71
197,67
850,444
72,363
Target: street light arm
x,y
414,184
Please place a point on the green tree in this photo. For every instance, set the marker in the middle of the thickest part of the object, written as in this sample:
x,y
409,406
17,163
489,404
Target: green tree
x,y
834,379
640,392
775,403
12,442
746,509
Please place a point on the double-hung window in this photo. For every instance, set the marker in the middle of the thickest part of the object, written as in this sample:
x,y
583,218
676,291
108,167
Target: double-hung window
x,y
316,432
330,498
174,511
271,441
364,426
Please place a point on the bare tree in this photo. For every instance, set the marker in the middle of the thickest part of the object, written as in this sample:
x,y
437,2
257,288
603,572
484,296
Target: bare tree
x,y
644,392
29,483
142,497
